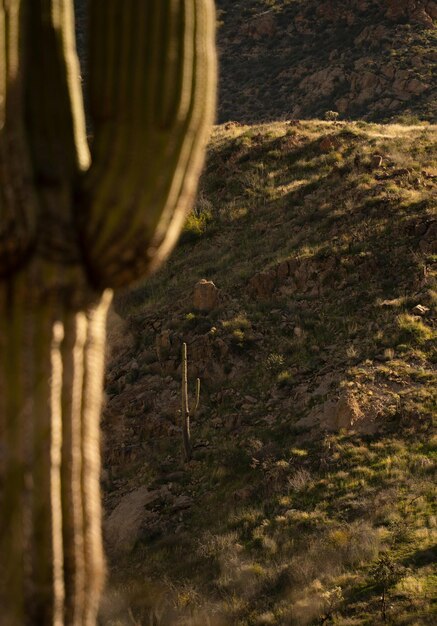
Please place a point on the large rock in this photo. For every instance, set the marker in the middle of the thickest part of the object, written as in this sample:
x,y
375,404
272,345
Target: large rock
x,y
351,411
346,413
421,11
304,275
123,526
263,25
206,296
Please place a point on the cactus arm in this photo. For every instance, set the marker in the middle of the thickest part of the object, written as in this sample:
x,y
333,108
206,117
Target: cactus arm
x,y
150,130
17,199
55,115
54,123
42,138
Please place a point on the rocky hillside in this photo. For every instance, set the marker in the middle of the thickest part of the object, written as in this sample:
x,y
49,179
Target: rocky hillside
x,y
371,59
305,288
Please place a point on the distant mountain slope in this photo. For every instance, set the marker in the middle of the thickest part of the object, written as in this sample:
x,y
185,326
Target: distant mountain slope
x,y
371,59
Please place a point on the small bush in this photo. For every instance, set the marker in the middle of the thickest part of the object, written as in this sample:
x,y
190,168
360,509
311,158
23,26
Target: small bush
x,y
239,322
300,481
239,330
284,378
331,116
385,574
412,329
197,223
275,362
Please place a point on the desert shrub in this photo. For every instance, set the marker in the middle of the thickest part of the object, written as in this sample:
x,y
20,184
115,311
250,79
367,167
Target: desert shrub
x,y
275,362
198,220
284,378
300,480
239,330
412,329
239,322
385,574
331,116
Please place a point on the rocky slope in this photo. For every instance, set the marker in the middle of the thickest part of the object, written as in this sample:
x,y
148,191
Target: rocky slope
x,y
371,59
314,336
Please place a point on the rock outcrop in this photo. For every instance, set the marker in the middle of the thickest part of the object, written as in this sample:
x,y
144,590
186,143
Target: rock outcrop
x,y
206,295
367,59
362,58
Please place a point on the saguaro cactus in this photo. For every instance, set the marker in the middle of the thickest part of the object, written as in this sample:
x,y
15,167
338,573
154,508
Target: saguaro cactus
x,y
186,411
72,227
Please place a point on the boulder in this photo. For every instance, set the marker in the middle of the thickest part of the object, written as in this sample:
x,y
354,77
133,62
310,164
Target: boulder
x,y
123,526
346,413
422,12
263,25
262,285
206,296
163,340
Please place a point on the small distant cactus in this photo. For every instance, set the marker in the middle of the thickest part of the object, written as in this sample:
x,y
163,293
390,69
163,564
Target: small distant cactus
x,y
188,413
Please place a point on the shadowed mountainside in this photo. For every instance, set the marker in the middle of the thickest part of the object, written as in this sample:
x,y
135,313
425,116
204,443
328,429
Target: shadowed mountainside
x,y
314,453
371,59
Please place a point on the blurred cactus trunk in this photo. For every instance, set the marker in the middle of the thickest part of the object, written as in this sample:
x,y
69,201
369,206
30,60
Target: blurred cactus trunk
x,y
51,373
74,226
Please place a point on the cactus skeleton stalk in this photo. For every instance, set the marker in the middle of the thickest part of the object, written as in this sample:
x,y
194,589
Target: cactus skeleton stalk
x,y
188,412
75,223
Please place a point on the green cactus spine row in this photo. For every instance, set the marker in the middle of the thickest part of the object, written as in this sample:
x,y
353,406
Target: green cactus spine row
x,y
73,225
